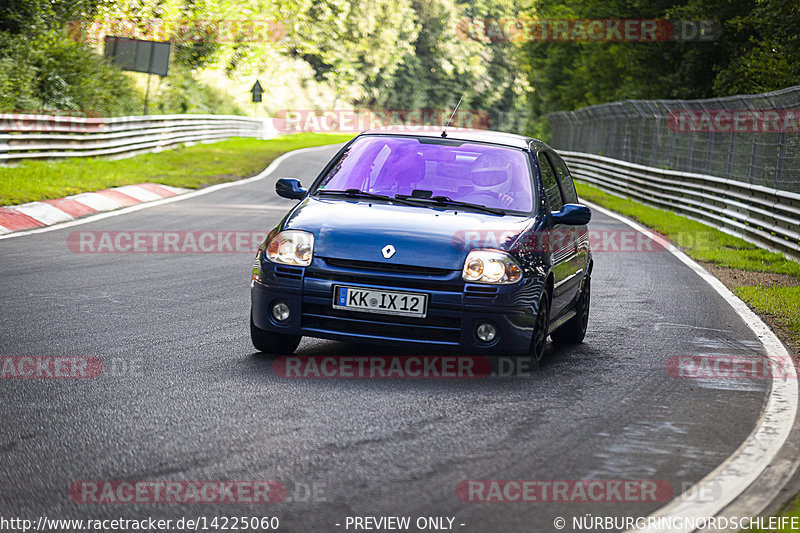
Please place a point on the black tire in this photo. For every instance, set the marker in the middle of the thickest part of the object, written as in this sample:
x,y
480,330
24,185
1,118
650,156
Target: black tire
x,y
539,340
574,330
269,342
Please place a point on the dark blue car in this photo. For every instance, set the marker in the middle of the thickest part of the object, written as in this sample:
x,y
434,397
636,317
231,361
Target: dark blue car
x,y
474,241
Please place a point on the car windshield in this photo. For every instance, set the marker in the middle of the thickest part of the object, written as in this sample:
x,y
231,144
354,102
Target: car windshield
x,y
475,173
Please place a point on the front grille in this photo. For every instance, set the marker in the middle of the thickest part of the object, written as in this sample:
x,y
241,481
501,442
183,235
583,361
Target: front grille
x,y
378,279
387,267
288,272
433,328
481,291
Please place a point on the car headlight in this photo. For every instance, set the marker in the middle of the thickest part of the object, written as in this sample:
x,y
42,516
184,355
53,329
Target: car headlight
x,y
291,247
491,266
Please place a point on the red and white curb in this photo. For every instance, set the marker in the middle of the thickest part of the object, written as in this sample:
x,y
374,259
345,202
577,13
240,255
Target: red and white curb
x,y
47,212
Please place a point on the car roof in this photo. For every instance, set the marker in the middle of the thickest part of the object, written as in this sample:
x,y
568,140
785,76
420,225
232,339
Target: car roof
x,y
463,134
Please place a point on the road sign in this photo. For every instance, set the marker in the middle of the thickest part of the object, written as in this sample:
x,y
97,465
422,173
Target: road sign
x,y
256,90
150,57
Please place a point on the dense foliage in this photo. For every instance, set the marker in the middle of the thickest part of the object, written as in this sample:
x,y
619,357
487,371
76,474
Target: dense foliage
x,y
51,72
396,54
757,50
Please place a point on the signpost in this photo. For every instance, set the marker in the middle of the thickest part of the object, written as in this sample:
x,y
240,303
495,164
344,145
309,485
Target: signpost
x,y
137,55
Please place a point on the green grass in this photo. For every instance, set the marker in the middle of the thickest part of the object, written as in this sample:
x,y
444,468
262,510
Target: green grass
x,y
781,302
191,167
705,243
698,240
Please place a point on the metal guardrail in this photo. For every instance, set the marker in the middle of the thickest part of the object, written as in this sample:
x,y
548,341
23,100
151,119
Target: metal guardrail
x,y
764,216
53,137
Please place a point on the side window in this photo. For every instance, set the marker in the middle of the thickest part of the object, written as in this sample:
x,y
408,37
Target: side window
x,y
551,189
564,179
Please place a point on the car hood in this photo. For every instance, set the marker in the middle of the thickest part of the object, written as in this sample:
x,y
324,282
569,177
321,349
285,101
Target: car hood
x,y
422,236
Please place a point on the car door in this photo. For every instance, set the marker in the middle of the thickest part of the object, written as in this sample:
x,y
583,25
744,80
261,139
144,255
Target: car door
x,y
578,235
558,243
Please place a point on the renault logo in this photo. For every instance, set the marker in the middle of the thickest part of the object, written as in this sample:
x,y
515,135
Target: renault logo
x,y
388,251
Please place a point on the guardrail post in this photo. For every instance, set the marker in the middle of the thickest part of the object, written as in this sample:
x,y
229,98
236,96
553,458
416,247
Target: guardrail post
x,y
781,156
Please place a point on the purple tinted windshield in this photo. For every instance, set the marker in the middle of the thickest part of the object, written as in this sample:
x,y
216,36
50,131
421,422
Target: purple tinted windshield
x,y
477,173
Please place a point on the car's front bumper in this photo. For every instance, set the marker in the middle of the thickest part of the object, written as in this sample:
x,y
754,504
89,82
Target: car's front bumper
x,y
455,308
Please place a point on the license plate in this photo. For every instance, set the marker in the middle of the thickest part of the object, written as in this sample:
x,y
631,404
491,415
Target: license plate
x,y
382,302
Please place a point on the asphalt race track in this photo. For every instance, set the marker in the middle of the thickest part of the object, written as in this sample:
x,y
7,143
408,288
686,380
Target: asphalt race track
x,y
185,397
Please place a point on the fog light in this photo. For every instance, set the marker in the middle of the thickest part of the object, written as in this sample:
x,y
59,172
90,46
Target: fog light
x,y
486,332
281,311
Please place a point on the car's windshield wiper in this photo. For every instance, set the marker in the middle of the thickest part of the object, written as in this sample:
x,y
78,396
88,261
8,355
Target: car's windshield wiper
x,y
446,200
358,193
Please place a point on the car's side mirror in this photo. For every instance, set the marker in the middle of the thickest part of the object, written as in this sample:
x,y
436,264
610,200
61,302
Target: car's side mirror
x,y
572,215
290,188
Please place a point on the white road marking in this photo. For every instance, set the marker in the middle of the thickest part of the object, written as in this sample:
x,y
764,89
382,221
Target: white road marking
x,y
755,454
140,193
44,213
176,190
96,201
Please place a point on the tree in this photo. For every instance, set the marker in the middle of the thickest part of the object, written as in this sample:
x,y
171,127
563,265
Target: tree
x,y
757,50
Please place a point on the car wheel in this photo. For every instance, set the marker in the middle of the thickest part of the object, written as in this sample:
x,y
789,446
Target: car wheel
x,y
539,340
574,330
269,342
